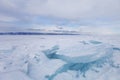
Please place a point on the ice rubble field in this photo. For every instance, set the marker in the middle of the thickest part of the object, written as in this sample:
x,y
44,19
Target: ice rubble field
x,y
61,57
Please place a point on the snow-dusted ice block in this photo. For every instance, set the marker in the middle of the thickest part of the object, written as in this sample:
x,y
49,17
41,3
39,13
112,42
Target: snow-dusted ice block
x,y
82,58
80,53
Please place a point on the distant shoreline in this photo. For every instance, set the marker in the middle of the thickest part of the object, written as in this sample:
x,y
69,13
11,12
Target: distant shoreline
x,y
35,33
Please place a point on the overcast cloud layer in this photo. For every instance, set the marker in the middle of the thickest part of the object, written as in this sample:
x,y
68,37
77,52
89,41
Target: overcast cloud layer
x,y
21,13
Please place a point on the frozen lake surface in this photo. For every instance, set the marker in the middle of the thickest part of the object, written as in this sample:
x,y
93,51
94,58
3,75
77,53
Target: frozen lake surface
x,y
60,57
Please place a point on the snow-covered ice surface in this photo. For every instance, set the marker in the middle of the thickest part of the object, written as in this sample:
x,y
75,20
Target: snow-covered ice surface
x,y
60,57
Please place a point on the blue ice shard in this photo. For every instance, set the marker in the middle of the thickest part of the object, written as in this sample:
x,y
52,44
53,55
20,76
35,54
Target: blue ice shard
x,y
95,42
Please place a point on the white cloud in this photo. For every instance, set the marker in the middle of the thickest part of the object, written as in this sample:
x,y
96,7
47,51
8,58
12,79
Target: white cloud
x,y
99,29
4,18
75,9
66,9
102,29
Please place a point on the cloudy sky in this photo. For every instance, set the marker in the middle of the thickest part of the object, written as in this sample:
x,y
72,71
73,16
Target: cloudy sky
x,y
100,16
